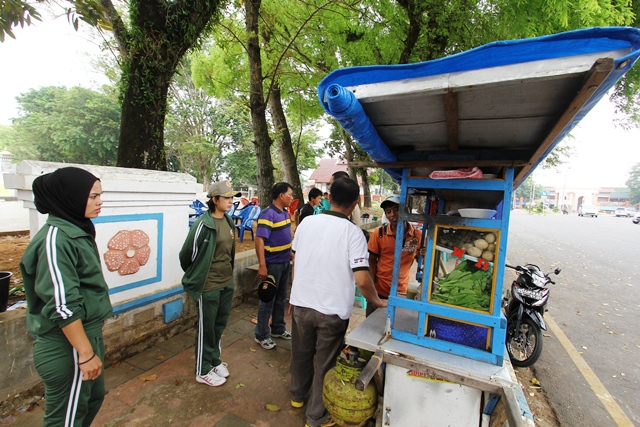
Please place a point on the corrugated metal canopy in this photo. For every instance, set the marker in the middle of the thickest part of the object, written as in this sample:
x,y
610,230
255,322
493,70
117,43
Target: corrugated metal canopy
x,y
502,104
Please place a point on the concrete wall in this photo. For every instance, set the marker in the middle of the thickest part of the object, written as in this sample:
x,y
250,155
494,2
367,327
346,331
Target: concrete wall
x,y
125,334
152,204
16,357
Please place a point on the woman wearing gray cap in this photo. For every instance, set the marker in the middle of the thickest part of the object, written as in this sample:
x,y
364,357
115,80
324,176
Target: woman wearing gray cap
x,y
207,260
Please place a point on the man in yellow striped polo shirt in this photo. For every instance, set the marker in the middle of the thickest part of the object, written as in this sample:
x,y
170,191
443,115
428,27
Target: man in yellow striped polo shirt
x,y
273,249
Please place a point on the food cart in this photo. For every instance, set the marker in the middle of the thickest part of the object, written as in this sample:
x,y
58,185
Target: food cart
x,y
498,109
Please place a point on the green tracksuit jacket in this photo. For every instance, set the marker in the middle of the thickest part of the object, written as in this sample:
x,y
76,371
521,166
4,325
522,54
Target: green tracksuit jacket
x,y
63,280
197,253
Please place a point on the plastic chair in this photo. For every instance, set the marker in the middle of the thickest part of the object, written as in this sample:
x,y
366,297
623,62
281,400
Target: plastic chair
x,y
199,207
247,223
240,213
233,208
293,206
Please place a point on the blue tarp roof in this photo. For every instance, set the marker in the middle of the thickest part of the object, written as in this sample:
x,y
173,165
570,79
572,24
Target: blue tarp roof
x,y
374,125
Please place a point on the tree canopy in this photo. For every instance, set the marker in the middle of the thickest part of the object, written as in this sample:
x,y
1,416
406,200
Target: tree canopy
x,y
201,129
269,52
74,125
633,182
151,39
14,13
528,191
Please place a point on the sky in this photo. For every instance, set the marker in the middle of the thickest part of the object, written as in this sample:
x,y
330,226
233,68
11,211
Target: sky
x,y
603,154
51,52
47,53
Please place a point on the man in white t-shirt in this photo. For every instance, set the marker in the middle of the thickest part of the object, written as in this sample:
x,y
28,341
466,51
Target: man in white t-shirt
x,y
355,214
330,259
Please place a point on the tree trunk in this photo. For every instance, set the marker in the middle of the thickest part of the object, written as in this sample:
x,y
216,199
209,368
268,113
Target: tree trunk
x,y
349,157
365,187
261,138
283,137
142,122
348,154
414,11
206,178
161,33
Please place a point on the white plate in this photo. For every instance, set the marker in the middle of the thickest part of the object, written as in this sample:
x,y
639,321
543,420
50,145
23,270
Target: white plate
x,y
477,213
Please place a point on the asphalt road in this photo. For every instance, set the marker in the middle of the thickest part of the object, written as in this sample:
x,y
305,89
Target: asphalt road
x,y
596,304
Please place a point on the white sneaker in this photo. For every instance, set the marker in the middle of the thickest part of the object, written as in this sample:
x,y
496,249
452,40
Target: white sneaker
x,y
221,370
211,379
286,335
266,343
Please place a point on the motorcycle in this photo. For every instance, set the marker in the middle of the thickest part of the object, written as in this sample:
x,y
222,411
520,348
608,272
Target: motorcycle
x,y
524,307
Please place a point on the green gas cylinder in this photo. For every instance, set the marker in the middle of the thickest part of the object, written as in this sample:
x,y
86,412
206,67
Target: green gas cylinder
x,y
348,406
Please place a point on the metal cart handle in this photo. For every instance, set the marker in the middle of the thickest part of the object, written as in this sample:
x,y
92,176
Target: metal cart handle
x,y
369,371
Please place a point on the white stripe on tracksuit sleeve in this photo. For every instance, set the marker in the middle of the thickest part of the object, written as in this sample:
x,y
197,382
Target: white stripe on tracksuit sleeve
x,y
56,275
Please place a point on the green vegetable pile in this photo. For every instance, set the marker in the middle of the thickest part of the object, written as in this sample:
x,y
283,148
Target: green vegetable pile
x,y
466,286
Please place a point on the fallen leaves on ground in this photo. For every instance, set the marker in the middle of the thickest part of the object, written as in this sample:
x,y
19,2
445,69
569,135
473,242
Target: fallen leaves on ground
x,y
151,377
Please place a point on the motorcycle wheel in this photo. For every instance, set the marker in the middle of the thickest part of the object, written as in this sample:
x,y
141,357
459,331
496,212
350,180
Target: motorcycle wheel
x,y
524,346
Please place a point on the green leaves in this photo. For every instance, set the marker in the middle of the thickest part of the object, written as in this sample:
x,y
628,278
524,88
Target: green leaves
x,y
15,12
465,286
200,129
74,125
634,184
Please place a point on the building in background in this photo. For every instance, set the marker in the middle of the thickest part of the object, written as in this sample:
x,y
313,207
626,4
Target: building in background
x,y
607,199
321,176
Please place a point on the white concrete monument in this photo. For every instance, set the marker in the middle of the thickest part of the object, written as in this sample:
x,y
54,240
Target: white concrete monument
x,y
143,223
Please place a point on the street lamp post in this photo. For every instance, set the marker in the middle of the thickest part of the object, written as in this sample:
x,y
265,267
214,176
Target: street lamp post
x,y
533,192
564,186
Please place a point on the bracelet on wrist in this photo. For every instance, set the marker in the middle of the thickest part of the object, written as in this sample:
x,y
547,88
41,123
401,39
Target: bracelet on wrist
x,y
88,360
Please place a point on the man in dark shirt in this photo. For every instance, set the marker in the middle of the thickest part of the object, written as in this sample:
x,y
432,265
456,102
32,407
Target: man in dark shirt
x,y
315,197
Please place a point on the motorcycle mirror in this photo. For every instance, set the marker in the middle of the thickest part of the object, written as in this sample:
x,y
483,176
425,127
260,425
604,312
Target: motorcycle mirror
x,y
557,271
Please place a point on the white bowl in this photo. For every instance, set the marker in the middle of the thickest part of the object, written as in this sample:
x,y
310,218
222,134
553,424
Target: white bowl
x,y
477,213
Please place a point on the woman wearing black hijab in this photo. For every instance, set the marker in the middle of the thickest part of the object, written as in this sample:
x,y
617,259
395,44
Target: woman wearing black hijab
x,y
67,296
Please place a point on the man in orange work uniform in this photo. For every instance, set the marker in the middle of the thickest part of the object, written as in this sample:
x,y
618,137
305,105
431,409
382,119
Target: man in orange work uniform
x,y
382,245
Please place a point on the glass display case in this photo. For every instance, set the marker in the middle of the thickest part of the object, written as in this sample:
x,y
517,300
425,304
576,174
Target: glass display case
x,y
462,273
458,306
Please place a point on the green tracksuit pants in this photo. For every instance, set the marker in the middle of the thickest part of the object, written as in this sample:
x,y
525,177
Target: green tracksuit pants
x,y
70,402
214,308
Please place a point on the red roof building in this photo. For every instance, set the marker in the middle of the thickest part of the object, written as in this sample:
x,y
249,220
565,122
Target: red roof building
x,y
321,176
327,167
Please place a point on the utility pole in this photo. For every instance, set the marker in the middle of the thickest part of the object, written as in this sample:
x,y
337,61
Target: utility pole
x,y
564,189
533,185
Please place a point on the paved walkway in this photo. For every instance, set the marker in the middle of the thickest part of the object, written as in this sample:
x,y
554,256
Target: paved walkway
x,y
157,387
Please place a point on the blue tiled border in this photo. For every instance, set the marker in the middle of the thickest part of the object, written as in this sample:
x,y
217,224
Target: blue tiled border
x,y
141,302
138,217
